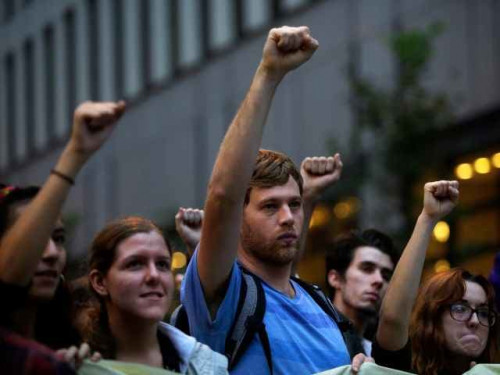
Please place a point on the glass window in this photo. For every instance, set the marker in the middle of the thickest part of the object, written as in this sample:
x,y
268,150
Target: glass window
x,y
93,48
222,20
10,109
49,76
29,95
256,13
118,50
289,5
190,40
70,63
161,47
145,20
8,9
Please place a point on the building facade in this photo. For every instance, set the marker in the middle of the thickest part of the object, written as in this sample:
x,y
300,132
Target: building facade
x,y
184,66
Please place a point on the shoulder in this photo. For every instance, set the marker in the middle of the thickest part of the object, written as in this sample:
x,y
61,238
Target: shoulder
x,y
194,354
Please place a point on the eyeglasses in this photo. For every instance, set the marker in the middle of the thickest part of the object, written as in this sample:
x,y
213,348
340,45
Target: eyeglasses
x,y
462,312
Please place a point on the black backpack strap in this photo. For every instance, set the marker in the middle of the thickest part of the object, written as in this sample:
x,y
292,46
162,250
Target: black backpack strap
x,y
351,338
179,319
248,321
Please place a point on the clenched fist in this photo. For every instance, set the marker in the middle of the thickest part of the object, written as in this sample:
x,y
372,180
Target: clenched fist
x,y
93,122
287,48
440,198
319,173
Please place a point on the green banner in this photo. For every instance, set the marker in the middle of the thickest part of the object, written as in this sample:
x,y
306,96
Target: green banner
x,y
107,367
373,369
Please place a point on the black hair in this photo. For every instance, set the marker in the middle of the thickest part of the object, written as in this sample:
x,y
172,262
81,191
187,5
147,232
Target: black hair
x,y
340,253
14,196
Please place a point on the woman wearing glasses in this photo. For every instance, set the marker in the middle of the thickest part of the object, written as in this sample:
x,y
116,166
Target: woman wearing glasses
x,y
452,326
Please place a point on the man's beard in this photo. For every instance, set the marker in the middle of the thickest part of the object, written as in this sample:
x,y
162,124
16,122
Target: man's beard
x,y
271,253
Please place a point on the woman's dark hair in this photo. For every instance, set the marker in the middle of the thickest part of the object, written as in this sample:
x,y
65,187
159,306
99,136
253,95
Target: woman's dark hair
x,y
10,197
429,352
102,256
53,325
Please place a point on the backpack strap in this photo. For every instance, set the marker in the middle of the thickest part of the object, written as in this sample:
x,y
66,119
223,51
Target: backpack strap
x,y
249,320
179,319
350,336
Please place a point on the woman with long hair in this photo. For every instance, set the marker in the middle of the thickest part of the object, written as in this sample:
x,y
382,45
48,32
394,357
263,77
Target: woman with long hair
x,y
452,326
32,254
130,274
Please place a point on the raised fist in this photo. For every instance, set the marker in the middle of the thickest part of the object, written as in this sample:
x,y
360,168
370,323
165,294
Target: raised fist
x,y
188,223
319,173
93,123
287,48
440,198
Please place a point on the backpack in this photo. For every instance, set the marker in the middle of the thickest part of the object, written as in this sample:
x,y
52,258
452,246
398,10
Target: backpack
x,y
249,320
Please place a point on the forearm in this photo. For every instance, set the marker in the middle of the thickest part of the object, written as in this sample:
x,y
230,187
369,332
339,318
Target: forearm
x,y
235,161
23,244
398,302
230,177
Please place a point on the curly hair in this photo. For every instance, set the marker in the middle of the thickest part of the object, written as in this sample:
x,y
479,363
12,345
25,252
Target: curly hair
x,y
429,353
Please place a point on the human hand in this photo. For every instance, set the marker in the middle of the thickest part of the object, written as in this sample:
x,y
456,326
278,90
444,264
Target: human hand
x,y
358,360
75,356
440,197
188,223
93,122
319,173
287,48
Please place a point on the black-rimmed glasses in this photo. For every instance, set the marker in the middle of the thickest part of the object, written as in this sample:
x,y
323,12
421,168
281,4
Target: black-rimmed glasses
x,y
462,312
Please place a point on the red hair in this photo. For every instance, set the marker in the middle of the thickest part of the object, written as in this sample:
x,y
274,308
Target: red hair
x,y
429,353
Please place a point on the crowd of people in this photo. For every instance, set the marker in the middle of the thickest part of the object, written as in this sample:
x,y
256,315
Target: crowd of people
x,y
243,309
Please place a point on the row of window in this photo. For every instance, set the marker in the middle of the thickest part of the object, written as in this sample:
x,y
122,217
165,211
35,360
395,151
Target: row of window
x,y
105,50
8,8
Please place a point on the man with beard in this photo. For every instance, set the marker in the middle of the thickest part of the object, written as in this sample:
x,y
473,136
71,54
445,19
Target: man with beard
x,y
358,270
253,212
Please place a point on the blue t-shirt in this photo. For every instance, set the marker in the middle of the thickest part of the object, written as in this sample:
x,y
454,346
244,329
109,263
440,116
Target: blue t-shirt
x,y
303,338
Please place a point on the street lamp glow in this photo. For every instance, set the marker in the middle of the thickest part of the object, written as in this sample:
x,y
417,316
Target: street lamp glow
x,y
178,260
482,165
464,171
495,160
441,265
441,231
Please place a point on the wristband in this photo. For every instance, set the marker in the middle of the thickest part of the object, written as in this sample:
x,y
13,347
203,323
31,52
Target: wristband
x,y
65,177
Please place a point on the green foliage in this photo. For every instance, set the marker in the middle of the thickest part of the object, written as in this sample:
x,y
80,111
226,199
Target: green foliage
x,y
404,115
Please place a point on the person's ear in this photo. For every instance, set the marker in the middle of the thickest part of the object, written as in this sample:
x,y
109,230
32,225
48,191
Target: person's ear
x,y
334,279
98,283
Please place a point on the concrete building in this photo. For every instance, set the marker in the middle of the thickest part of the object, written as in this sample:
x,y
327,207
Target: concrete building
x,y
184,66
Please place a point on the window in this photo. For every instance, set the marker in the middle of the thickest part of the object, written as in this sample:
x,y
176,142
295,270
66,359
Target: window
x,y
8,9
29,95
256,13
49,75
118,47
161,46
291,5
11,95
222,28
190,42
93,49
145,19
70,63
